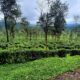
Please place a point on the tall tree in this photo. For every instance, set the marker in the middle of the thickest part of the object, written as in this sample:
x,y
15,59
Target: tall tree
x,y
12,19
44,20
9,10
24,24
77,19
76,28
58,11
45,24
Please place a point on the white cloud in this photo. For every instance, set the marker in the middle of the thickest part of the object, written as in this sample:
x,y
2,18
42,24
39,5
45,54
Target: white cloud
x,y
74,9
69,20
1,16
28,8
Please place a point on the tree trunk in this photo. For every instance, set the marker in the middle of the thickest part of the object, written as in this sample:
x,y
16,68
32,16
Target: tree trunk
x,y
6,27
12,32
46,40
30,36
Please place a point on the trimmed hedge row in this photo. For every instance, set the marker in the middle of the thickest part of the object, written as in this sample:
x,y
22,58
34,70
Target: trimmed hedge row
x,y
23,56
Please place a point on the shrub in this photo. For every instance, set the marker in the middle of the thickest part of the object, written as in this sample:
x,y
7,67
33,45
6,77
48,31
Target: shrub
x,y
75,52
62,53
23,56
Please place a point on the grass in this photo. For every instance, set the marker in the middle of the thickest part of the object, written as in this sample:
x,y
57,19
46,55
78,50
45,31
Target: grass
x,y
39,69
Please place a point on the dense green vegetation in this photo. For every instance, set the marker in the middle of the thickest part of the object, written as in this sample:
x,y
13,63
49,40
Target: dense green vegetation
x,y
54,48
21,42
22,49
40,69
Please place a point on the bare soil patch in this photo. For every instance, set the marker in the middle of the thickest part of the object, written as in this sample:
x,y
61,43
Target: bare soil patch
x,y
75,75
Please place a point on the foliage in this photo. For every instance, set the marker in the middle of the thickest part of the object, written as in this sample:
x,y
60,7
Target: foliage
x,y
11,12
57,12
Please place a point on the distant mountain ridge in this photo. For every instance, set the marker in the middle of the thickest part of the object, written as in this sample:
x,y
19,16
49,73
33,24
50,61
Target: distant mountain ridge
x,y
69,25
1,23
18,24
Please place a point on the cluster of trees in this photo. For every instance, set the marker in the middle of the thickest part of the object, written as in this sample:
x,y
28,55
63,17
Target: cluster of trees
x,y
52,20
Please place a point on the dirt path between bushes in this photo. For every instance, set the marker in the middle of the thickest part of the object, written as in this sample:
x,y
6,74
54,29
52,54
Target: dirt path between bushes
x,y
75,75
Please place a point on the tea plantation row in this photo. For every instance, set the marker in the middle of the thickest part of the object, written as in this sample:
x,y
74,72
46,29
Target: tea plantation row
x,y
23,56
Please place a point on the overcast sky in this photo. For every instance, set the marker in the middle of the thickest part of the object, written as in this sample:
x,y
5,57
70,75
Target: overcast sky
x,y
28,8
